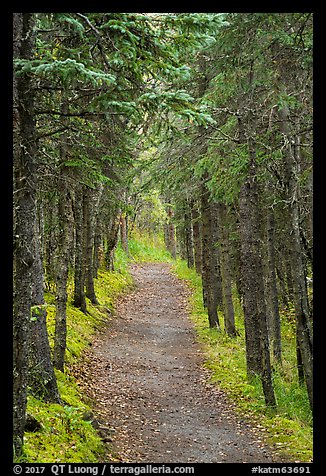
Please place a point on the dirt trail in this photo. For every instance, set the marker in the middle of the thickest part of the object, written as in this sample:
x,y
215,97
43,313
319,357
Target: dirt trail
x,y
146,372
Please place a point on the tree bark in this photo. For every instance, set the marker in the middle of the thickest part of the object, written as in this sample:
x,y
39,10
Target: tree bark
x,y
209,275
195,217
91,204
62,261
112,238
170,233
249,278
124,233
229,321
257,346
271,292
215,255
97,245
79,275
24,148
61,277
188,232
49,245
303,322
42,379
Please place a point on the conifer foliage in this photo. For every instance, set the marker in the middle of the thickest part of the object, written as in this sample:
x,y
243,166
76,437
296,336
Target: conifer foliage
x,y
211,111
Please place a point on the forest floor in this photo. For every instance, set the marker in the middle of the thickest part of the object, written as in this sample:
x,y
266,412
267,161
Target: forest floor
x,y
144,371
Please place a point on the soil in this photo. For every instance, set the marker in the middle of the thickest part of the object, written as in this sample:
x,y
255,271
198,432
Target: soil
x,y
153,396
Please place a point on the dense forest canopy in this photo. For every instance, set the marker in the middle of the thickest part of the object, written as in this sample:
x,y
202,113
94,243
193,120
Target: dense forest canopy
x,y
196,125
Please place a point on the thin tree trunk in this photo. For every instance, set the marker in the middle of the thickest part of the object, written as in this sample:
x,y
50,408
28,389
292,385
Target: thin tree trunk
x,y
49,246
249,279
24,149
208,255
281,282
42,379
90,211
97,245
79,275
61,278
62,261
215,255
171,233
229,321
112,241
189,241
257,346
300,369
196,238
303,322
166,235
289,277
271,291
124,233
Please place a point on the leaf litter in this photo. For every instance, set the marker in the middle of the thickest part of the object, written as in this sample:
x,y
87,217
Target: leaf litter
x,y
149,389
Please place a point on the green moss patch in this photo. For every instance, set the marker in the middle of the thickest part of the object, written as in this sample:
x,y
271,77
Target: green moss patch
x,y
65,436
289,427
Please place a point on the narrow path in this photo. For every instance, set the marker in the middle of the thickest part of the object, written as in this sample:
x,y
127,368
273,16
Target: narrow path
x,y
145,371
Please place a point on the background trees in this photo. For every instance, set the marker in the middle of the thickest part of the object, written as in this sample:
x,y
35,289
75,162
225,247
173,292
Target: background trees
x,y
85,87
251,164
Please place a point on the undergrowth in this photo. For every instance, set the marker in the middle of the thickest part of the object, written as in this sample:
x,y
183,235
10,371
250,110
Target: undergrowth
x,y
289,427
144,248
65,434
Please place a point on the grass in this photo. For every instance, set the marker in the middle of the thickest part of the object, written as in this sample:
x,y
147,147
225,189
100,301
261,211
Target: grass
x,y
65,435
144,248
289,427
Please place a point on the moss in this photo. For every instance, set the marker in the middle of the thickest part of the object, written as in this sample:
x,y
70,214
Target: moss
x,y
65,436
289,428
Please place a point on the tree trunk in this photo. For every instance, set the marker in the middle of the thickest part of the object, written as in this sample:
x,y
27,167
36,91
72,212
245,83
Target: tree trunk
x,y
112,241
171,234
271,292
303,323
79,275
62,261
257,347
281,282
215,255
249,279
61,277
124,233
195,217
49,245
209,261
289,277
189,241
97,245
229,322
24,150
42,379
91,202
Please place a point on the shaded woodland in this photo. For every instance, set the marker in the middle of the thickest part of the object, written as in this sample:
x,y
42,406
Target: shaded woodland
x,y
196,126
